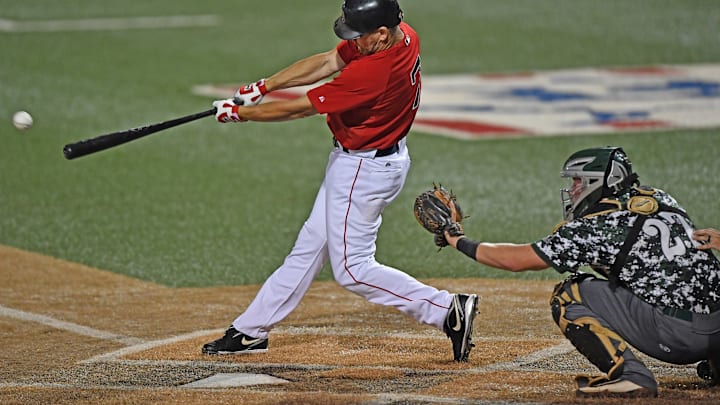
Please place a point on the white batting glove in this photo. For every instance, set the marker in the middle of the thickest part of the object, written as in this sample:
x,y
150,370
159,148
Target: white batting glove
x,y
227,111
251,94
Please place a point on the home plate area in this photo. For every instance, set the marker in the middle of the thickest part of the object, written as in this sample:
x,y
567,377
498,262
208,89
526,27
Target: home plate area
x,y
368,363
226,380
74,334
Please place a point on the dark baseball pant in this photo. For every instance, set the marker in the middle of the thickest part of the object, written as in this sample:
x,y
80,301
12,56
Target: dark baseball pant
x,y
645,327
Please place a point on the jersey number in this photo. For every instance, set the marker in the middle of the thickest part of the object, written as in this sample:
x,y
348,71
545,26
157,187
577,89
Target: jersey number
x,y
670,247
415,80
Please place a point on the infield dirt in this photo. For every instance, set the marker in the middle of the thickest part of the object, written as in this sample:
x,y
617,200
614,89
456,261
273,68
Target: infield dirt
x,y
73,334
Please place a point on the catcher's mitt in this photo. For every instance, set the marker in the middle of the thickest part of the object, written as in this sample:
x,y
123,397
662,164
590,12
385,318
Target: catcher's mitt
x,y
437,210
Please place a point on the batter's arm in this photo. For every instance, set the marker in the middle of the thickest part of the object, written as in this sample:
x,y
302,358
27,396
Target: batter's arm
x,y
283,110
306,71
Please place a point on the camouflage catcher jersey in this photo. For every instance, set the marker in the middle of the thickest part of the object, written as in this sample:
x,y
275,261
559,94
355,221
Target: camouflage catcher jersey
x,y
658,264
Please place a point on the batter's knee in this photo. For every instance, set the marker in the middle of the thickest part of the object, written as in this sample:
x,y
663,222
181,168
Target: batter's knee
x,y
347,275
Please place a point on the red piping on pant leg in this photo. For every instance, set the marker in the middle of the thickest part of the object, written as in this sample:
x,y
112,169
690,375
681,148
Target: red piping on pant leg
x,y
347,269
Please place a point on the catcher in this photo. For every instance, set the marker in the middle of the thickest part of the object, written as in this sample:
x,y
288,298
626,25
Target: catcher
x,y
655,289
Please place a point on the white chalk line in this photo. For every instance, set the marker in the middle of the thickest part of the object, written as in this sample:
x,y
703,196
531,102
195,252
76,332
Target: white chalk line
x,y
69,326
534,357
109,24
390,398
409,398
140,347
135,345
80,386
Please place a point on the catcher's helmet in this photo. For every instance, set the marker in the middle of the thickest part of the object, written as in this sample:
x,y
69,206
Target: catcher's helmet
x,y
602,172
362,16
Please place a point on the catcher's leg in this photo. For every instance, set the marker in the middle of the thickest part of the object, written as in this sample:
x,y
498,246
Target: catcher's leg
x,y
574,303
710,369
601,346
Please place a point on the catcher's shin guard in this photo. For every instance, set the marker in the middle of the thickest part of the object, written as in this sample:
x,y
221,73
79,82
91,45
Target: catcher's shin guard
x,y
603,347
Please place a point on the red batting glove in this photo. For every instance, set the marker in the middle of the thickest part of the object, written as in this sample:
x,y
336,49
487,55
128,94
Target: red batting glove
x,y
251,94
227,111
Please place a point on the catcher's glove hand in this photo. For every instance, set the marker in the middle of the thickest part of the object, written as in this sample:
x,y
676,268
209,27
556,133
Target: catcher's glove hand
x,y
437,210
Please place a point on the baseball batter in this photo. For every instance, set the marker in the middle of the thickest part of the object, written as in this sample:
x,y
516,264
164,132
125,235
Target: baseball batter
x,y
370,106
659,290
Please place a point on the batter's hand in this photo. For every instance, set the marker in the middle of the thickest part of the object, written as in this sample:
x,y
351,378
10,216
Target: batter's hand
x,y
710,236
227,111
251,94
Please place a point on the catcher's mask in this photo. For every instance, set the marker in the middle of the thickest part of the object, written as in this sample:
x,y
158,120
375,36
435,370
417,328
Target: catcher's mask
x,y
594,174
362,16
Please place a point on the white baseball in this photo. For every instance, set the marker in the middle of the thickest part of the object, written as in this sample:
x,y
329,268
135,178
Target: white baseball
x,y
22,120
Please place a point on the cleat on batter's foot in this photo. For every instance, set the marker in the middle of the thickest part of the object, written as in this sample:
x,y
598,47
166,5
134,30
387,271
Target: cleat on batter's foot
x,y
235,342
459,324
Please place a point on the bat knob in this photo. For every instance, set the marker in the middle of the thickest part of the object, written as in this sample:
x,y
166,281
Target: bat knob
x,y
68,152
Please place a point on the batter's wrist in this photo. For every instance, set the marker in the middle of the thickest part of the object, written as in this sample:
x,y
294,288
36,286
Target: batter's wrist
x,y
468,246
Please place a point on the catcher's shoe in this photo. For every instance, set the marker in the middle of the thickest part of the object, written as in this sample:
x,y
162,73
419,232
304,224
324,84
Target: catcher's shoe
x,y
604,388
459,324
235,342
709,370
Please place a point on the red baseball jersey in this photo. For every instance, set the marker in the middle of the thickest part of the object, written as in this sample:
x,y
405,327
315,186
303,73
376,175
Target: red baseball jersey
x,y
372,103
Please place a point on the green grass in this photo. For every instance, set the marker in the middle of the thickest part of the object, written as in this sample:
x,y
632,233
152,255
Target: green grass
x,y
205,204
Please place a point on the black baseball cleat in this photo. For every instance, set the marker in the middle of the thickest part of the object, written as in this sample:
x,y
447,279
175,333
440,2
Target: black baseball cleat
x,y
708,370
459,324
235,342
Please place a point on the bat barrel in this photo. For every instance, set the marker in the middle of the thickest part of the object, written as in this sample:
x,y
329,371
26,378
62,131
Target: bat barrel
x,y
92,145
102,142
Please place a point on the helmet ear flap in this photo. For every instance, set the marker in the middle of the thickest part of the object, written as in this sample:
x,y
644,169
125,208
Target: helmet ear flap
x,y
618,173
614,176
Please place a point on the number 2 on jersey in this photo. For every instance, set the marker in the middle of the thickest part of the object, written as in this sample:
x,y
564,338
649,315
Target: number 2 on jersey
x,y
671,247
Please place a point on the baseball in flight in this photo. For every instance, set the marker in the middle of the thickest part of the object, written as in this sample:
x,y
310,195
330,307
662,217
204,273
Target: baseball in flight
x,y
22,120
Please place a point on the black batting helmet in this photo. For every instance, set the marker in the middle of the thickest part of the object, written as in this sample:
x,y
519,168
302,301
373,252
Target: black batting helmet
x,y
362,16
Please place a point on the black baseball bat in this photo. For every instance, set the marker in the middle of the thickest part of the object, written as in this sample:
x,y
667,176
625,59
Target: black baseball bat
x,y
107,141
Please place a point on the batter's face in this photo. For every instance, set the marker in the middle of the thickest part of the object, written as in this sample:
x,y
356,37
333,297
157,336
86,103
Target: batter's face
x,y
373,42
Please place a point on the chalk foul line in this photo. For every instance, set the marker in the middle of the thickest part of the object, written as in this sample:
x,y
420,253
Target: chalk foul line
x,y
69,326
